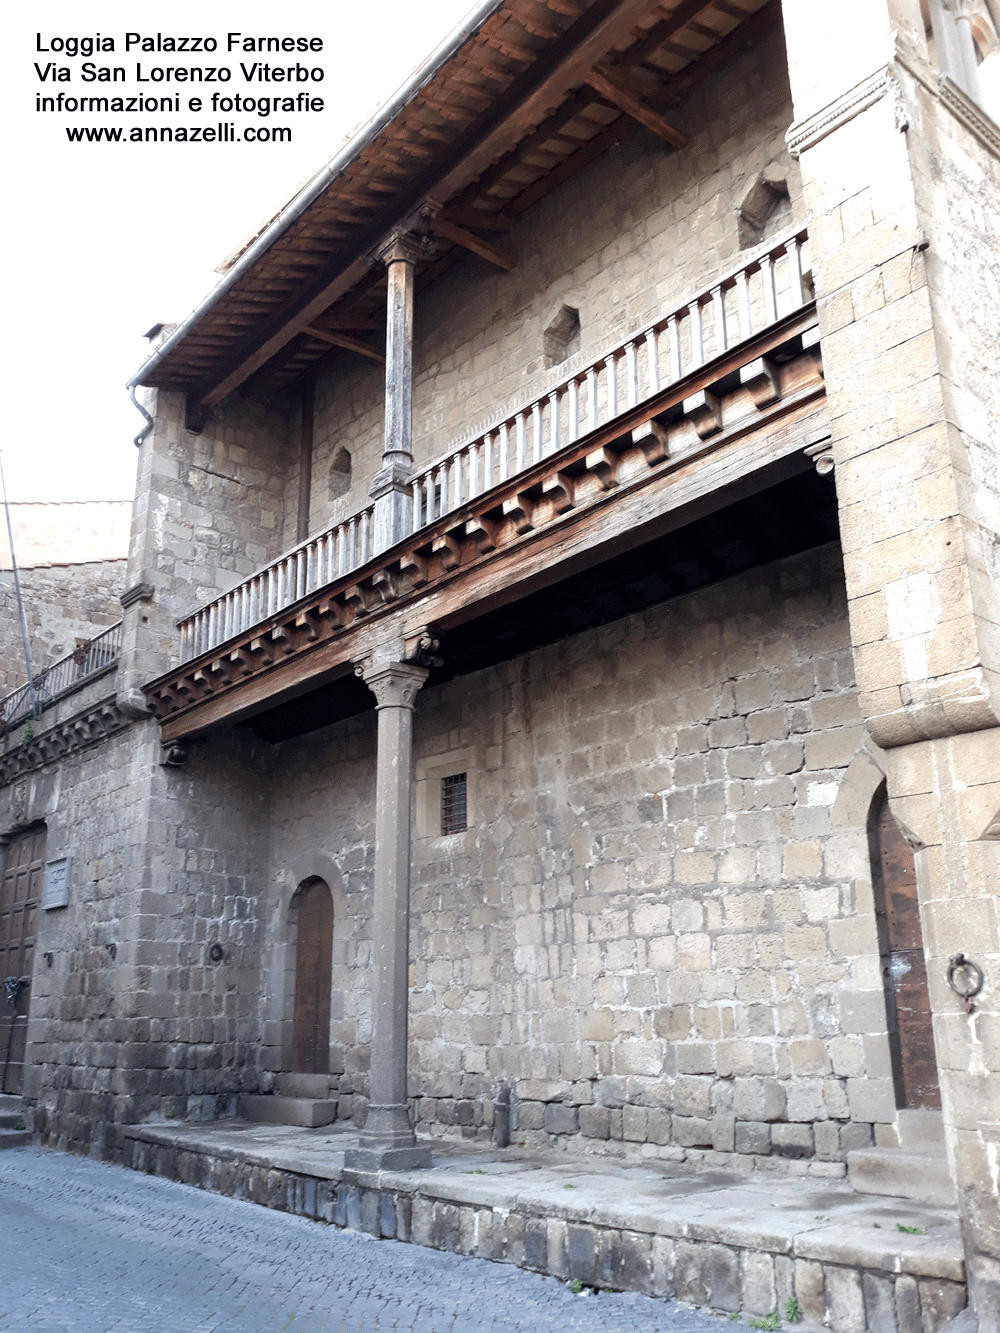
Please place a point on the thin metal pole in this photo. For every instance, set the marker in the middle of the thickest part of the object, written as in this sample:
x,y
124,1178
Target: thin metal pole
x,y
35,709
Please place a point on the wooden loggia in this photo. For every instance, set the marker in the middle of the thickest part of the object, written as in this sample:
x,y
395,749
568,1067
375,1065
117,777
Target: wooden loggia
x,y
561,68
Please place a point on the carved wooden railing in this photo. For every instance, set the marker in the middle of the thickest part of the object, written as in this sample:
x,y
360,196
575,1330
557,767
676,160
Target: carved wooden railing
x,y
733,308
65,674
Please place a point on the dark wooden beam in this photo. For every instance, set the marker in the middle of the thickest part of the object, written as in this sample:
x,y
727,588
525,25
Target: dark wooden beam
x,y
346,341
549,126
443,227
602,80
766,19
670,24
587,153
478,219
560,68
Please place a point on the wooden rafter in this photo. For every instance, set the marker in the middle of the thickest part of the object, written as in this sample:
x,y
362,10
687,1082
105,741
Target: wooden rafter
x,y
443,227
560,68
602,80
346,341
512,138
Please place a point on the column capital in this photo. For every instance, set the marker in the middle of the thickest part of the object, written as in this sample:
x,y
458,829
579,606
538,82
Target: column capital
x,y
404,247
394,684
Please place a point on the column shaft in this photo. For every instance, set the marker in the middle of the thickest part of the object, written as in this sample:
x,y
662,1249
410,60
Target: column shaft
x,y
391,489
396,449
388,1141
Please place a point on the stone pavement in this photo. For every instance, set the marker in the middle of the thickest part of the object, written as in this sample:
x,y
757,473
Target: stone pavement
x,y
92,1248
737,1242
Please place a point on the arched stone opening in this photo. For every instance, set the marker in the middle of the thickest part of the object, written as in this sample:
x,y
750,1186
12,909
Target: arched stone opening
x,y
901,954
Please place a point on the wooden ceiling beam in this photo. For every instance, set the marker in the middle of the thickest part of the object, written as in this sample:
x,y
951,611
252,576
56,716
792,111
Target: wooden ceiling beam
x,y
672,22
559,68
355,323
346,341
602,82
551,125
766,18
478,219
731,11
443,227
590,152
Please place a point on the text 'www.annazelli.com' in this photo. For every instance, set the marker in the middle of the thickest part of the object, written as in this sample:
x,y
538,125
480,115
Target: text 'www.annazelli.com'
x,y
224,132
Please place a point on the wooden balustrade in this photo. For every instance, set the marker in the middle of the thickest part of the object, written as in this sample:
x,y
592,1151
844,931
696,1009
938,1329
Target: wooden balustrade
x,y
733,308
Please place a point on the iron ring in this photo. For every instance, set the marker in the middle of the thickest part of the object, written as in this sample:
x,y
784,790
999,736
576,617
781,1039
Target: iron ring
x,y
959,963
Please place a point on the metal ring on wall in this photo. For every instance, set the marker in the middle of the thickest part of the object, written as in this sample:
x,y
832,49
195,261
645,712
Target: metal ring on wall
x,y
959,963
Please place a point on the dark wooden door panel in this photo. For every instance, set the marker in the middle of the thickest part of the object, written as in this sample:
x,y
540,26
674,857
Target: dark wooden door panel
x,y
313,966
904,969
20,895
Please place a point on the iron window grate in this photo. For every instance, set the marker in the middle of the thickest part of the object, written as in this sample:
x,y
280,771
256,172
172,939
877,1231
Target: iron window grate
x,y
454,804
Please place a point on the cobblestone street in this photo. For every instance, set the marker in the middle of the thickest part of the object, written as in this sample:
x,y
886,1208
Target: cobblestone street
x,y
92,1248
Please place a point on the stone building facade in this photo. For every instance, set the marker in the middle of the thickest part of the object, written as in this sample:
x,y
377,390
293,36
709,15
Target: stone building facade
x,y
558,703
71,559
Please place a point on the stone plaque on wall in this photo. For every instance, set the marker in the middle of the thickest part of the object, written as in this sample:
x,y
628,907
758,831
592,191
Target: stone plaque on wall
x,y
56,890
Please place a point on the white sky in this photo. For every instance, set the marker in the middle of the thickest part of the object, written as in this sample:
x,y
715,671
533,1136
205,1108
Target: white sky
x,y
105,240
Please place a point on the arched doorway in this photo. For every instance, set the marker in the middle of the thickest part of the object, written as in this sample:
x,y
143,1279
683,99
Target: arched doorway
x,y
904,970
20,895
313,906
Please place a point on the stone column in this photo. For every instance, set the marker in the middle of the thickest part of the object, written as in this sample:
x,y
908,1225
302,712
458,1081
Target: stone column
x,y
388,1141
391,489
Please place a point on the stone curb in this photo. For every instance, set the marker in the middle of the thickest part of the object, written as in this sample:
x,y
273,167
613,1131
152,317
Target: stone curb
x,y
666,1243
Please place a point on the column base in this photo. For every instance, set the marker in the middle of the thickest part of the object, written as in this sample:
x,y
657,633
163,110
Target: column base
x,y
392,492
387,1143
388,1159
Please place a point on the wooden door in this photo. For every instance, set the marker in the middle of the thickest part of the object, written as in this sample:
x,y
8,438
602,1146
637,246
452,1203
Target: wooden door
x,y
23,873
904,970
313,965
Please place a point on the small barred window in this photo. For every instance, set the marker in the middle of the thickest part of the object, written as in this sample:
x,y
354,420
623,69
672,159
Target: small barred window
x,y
454,804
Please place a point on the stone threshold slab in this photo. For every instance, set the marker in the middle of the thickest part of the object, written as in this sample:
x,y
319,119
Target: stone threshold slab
x,y
730,1241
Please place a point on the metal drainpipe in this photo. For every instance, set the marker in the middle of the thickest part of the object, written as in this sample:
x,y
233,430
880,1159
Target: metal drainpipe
x,y
323,178
149,420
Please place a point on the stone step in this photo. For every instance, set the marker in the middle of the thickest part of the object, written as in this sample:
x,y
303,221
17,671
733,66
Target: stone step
x,y
12,1119
895,1173
726,1240
14,1138
307,1112
315,1086
8,1103
920,1131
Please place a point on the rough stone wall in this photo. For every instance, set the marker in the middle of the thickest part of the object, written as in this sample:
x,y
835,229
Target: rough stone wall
x,y
651,930
900,197
62,604
957,187
209,510
133,1018
632,235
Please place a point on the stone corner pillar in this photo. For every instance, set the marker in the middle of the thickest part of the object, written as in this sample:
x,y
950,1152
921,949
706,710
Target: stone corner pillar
x,y
391,488
388,1142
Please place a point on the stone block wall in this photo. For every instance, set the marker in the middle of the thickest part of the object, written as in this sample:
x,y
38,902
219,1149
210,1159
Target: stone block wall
x,y
630,236
652,931
133,1017
209,510
62,604
956,180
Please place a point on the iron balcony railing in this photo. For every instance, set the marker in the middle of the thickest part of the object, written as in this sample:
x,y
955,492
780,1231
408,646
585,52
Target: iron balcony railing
x,y
734,307
66,674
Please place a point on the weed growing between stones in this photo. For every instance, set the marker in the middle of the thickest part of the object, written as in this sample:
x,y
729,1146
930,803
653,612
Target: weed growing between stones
x,y
793,1310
